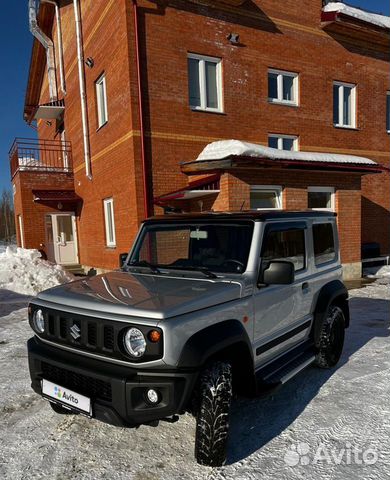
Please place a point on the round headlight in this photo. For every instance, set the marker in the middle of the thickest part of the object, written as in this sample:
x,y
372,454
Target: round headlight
x,y
39,321
135,342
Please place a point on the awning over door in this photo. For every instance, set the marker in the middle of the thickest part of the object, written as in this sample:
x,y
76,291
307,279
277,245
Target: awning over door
x,y
196,189
57,198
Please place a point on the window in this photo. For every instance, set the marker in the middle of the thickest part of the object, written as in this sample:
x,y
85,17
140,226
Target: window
x,y
321,198
266,197
222,247
21,230
344,105
283,87
283,142
101,99
388,112
324,244
109,221
287,245
205,83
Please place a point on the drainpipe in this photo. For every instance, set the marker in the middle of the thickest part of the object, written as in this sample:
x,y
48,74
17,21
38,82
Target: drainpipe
x,y
83,95
49,47
60,44
147,205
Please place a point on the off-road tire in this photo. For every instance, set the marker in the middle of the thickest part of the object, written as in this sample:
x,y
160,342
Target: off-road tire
x,y
212,421
60,410
332,336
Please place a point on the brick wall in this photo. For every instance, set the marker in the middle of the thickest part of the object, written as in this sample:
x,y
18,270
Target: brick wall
x,y
288,38
33,214
235,194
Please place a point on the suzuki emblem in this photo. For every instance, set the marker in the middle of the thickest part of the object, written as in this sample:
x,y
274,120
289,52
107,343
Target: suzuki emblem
x,y
75,331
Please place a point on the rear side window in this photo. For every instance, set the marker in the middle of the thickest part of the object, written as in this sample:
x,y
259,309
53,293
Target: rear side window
x,y
324,245
287,245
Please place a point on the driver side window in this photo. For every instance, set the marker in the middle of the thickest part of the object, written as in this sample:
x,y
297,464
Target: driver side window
x,y
287,245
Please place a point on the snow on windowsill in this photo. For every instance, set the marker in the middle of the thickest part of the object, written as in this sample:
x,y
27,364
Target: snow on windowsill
x,y
227,148
382,21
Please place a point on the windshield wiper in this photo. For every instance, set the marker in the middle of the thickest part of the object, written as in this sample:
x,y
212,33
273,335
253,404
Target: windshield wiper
x,y
145,264
204,270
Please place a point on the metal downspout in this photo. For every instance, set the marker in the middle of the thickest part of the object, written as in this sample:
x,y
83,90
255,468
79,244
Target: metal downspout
x,y
49,47
60,44
83,95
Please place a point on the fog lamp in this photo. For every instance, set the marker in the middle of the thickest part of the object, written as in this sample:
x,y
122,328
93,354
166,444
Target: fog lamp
x,y
152,396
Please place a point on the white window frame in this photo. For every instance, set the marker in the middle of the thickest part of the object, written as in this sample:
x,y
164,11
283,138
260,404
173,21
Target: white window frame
x,y
101,99
202,82
108,203
341,104
281,74
387,113
270,188
330,190
281,137
21,230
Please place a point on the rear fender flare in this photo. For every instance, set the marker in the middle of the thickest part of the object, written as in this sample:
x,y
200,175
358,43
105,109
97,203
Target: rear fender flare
x,y
334,292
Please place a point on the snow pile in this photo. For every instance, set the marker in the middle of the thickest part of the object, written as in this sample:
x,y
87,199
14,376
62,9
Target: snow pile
x,y
23,271
226,148
374,18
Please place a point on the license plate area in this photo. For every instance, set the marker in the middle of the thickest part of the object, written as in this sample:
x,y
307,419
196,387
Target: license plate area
x,y
68,398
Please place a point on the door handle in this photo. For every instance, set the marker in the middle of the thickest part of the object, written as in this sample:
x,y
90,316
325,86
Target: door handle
x,y
305,286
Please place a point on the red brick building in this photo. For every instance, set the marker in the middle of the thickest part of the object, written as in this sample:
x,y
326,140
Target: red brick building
x,y
127,94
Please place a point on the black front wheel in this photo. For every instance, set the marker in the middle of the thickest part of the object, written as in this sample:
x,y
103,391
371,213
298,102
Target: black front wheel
x,y
212,421
331,338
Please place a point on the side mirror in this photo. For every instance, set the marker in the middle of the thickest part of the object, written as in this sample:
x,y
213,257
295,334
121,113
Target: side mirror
x,y
278,273
122,259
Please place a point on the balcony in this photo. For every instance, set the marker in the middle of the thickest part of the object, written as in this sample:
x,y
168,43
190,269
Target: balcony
x,y
41,156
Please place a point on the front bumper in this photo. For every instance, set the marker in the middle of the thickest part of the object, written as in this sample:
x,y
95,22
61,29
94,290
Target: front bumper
x,y
118,393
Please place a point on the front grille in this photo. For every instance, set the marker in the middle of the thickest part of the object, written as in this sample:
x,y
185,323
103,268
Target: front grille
x,y
95,335
90,387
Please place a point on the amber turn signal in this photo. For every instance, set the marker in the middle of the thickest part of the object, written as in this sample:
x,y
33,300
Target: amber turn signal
x,y
154,336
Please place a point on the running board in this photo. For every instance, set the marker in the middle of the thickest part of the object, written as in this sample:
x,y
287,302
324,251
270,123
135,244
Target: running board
x,y
288,375
283,369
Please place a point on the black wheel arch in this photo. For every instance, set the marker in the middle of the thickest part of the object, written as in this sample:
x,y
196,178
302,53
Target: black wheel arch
x,y
227,340
333,293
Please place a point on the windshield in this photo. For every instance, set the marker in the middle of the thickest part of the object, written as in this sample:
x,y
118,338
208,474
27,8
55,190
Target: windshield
x,y
220,248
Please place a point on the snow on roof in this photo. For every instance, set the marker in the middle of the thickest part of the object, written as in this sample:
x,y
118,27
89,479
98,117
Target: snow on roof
x,y
227,148
374,18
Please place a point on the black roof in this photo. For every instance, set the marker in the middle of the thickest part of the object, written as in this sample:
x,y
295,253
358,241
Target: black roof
x,y
260,215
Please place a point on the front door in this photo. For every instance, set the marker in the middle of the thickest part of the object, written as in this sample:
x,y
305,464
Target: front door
x,y
283,311
62,241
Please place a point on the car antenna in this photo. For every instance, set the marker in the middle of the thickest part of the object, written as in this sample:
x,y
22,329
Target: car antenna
x,y
242,206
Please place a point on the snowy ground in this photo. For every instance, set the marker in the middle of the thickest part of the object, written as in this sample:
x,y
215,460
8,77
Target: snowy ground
x,y
319,412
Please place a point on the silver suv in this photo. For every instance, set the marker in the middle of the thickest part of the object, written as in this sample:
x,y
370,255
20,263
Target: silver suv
x,y
204,306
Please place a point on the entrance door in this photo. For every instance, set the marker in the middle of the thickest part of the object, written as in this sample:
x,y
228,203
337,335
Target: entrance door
x,y
64,238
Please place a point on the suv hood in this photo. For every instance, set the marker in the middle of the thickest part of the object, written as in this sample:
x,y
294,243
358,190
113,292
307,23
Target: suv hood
x,y
140,295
